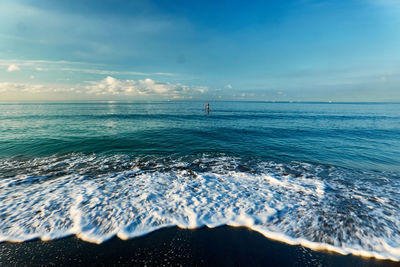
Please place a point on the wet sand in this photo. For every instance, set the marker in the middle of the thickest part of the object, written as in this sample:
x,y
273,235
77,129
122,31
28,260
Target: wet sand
x,y
222,246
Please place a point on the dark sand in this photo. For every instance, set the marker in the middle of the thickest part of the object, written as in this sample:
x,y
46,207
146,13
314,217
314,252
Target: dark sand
x,y
173,246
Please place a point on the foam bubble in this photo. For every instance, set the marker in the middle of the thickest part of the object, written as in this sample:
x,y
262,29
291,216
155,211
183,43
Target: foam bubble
x,y
98,197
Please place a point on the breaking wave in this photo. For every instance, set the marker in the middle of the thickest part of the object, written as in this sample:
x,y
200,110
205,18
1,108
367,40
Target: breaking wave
x,y
97,197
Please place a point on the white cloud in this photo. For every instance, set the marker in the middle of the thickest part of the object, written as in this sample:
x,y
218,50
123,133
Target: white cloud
x,y
112,86
41,69
13,67
34,88
229,86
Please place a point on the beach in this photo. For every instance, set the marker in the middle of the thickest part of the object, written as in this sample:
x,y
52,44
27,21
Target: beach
x,y
222,246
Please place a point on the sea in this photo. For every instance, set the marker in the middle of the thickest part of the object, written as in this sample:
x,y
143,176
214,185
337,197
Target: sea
x,y
322,175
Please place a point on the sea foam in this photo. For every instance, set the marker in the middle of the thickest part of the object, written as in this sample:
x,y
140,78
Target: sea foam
x,y
98,197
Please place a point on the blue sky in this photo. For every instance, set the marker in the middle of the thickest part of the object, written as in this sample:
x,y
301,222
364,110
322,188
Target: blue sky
x,y
304,50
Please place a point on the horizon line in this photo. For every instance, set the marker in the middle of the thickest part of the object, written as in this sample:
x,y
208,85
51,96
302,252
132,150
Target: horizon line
x,y
198,100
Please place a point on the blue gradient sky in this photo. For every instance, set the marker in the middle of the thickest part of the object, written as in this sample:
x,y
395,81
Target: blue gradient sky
x,y
305,50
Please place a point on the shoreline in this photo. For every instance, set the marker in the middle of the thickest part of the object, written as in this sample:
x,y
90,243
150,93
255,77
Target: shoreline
x,y
224,245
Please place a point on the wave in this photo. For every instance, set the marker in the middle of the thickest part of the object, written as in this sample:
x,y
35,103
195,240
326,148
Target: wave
x,y
97,197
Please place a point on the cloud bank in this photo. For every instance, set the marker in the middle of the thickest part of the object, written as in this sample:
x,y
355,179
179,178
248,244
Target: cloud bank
x,y
7,87
110,87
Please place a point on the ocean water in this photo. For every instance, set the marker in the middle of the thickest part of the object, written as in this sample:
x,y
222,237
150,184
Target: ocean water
x,y
323,175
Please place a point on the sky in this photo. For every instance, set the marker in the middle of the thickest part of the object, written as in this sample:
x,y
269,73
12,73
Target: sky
x,y
292,50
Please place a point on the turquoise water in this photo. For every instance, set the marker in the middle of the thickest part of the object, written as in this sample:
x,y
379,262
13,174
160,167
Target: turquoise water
x,y
325,175
364,136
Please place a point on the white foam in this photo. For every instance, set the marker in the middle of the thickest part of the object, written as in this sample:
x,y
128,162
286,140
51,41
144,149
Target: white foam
x,y
96,198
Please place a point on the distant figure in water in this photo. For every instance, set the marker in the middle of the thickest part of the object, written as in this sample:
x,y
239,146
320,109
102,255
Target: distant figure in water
x,y
207,108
